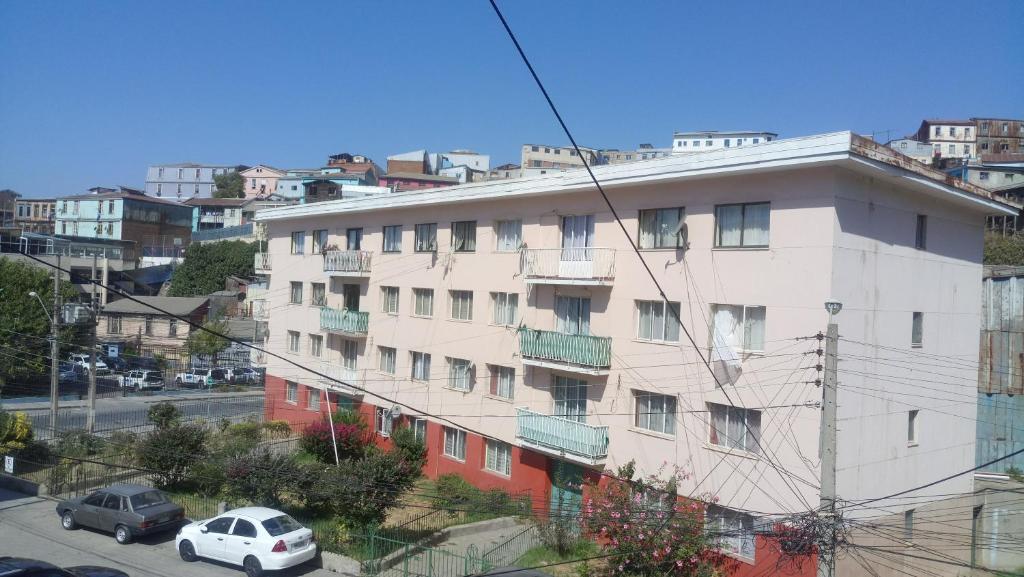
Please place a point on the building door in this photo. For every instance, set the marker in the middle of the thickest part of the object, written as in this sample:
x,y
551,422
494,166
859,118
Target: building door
x,y
566,490
350,294
572,315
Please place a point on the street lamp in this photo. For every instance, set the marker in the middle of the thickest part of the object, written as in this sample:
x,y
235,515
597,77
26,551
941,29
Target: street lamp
x,y
35,295
833,307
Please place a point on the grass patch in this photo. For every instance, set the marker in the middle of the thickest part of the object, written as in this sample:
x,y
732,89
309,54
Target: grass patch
x,y
544,555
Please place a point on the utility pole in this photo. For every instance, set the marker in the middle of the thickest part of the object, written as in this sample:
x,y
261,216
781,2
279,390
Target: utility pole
x,y
90,422
55,352
827,506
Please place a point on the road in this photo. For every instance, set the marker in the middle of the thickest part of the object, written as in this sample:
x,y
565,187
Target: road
x,y
121,413
31,529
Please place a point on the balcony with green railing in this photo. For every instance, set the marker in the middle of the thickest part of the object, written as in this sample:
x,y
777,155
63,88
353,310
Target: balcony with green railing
x,y
344,321
564,437
585,354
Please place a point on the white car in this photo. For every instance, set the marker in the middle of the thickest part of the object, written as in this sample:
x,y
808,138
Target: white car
x,y
257,538
192,378
83,361
142,380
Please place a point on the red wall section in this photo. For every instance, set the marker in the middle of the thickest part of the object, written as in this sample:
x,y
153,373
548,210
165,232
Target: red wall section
x,y
769,560
275,407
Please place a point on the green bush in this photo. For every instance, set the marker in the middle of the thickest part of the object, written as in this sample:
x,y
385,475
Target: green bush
x,y
317,440
207,478
163,415
79,444
1004,250
278,428
261,477
361,491
454,492
413,450
349,417
15,431
171,452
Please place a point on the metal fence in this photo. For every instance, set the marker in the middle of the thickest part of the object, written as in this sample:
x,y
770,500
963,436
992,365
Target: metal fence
x,y
244,230
511,550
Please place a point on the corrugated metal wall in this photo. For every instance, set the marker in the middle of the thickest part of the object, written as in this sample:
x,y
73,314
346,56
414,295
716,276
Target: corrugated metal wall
x,y
1000,428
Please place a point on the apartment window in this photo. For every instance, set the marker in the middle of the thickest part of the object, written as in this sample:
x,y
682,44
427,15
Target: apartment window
x,y
159,173
735,530
1004,147
756,140
110,207
295,297
503,381
386,357
917,330
149,325
498,457
908,525
420,366
197,175
505,308
181,173
696,144
319,241
389,299
291,392
569,398
661,228
509,235
534,149
921,232
967,150
708,142
419,429
984,127
252,183
912,427
384,422
462,305
172,327
739,326
195,189
298,242
423,302
392,238
952,149
75,206
742,225
654,412
1006,128
293,341
983,175
727,143
312,399
455,443
656,322
63,228
735,428
114,325
535,163
952,131
938,131
319,296
316,345
349,354
460,374
937,149
464,236
426,237
354,239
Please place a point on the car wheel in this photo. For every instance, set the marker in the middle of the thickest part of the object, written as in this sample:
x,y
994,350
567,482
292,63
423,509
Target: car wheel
x,y
187,552
252,567
122,535
67,520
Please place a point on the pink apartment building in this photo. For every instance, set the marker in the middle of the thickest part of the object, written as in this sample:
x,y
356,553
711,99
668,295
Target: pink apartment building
x,y
516,321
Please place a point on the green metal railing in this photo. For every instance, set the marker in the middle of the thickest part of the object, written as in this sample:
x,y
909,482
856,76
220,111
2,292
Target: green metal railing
x,y
344,320
505,554
562,434
584,350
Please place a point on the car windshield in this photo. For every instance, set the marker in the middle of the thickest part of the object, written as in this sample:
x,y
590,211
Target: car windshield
x,y
154,377
281,525
201,372
147,499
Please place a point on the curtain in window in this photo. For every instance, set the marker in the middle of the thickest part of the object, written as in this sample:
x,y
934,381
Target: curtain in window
x,y
727,322
572,315
349,353
719,425
666,222
509,235
577,237
648,219
755,221
730,225
753,329
753,431
570,399
672,323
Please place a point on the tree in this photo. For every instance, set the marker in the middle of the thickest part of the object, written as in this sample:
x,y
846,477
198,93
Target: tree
x,y
207,265
1004,250
261,477
172,452
229,185
15,431
26,327
361,490
163,415
203,342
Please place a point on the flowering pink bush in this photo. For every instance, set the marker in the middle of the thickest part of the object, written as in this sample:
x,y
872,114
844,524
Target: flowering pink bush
x,y
316,440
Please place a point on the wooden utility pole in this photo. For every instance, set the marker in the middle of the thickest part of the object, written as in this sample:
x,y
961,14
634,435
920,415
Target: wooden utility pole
x,y
90,422
55,352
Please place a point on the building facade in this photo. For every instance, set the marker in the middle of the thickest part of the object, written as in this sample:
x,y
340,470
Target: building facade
x,y
548,156
999,136
519,334
35,215
125,214
217,213
950,139
405,181
919,151
8,207
261,180
184,180
644,152
136,320
703,141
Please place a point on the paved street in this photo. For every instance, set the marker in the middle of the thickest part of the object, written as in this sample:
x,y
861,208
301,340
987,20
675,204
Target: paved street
x,y
31,529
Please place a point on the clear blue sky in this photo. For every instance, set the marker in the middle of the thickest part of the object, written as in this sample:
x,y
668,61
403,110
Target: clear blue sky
x,y
93,92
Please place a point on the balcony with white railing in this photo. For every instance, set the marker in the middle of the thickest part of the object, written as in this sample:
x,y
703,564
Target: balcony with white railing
x,y
262,264
584,354
562,437
568,266
341,379
349,263
344,321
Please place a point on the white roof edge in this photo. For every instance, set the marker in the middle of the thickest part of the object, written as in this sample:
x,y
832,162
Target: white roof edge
x,y
790,152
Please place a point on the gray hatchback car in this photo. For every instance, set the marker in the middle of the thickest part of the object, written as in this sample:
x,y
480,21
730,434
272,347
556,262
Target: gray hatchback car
x,y
126,510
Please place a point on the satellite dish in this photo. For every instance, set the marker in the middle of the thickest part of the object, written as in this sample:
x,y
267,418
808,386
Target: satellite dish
x,y
396,411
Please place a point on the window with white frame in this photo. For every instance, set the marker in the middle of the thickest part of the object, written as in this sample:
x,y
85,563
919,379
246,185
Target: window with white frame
x,y
149,326
505,307
295,297
742,225
912,426
384,422
420,366
734,530
291,392
293,341
739,326
349,354
508,235
423,302
386,357
389,300
298,242
425,237
455,443
503,380
172,327
462,305
917,330
498,457
908,525
735,428
569,398
656,322
319,240
312,399
114,325
316,345
661,227
654,412
319,296
460,374
464,236
419,429
392,238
